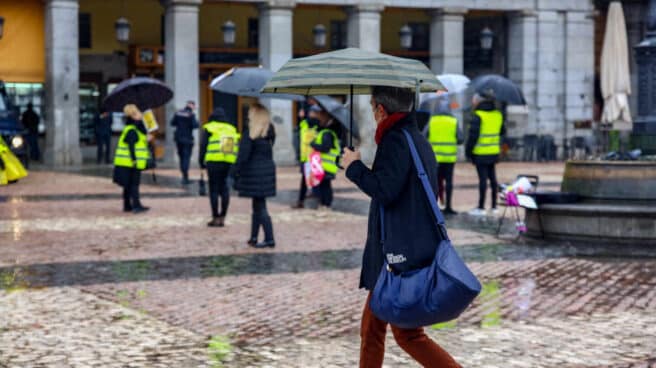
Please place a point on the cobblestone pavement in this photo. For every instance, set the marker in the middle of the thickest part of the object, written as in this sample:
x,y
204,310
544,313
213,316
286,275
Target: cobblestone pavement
x,y
83,284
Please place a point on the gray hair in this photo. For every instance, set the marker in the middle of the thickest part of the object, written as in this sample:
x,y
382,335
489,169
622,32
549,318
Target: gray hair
x,y
393,99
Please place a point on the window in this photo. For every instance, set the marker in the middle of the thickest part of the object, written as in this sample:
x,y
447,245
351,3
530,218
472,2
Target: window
x,y
84,30
337,34
253,32
420,36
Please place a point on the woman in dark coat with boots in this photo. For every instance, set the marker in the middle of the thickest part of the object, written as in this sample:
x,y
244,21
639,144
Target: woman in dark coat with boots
x,y
255,172
392,182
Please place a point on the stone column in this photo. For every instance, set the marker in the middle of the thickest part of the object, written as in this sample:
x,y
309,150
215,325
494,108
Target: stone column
x,y
364,32
180,60
62,83
275,49
550,100
522,66
447,40
579,68
447,49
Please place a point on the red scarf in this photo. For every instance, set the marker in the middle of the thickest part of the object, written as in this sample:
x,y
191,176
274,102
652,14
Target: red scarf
x,y
387,124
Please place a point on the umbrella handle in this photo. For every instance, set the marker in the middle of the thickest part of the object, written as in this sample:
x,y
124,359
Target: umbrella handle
x,y
351,121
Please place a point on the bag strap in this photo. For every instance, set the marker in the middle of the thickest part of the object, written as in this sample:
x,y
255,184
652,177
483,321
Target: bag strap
x,y
423,177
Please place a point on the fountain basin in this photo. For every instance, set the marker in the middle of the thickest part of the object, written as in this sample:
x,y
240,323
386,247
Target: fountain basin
x,y
617,204
632,180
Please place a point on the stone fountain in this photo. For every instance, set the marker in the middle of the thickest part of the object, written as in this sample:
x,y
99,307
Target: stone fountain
x,y
610,202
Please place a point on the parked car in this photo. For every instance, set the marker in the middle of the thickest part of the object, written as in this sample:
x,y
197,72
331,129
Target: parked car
x,y
11,129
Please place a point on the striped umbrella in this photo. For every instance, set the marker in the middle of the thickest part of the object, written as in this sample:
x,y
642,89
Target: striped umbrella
x,y
350,71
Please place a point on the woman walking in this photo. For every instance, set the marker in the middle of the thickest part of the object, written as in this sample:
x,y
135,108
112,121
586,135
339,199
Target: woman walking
x,y
393,183
255,172
131,157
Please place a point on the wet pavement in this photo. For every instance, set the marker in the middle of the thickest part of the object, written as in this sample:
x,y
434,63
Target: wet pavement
x,y
84,285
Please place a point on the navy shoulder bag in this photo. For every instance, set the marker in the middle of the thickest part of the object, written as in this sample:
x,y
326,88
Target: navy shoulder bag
x,y
437,293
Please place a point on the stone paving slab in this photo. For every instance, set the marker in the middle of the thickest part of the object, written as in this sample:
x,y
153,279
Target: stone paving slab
x,y
602,340
149,291
258,309
63,327
90,237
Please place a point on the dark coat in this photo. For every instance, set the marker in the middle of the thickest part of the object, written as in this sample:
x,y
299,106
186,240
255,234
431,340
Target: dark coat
x,y
103,124
474,132
255,171
184,122
122,174
393,182
30,121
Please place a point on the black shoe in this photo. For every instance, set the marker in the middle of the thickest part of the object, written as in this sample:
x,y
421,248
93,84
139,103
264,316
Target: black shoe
x,y
265,244
127,209
186,181
252,242
140,209
216,222
449,211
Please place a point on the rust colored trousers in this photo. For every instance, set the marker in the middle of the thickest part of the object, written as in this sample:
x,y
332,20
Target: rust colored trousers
x,y
413,341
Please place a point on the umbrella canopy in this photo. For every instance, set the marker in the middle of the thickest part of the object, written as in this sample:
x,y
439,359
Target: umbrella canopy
x,y
146,93
439,105
248,82
454,83
499,87
350,71
338,111
615,77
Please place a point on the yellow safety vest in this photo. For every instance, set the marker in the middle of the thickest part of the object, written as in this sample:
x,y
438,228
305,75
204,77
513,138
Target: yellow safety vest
x,y
222,143
442,135
122,155
329,159
307,135
489,138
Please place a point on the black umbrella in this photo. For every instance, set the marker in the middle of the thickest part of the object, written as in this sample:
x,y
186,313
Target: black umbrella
x,y
248,82
338,111
499,87
146,93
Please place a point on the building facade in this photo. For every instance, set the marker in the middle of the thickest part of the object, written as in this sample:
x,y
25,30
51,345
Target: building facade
x,y
74,56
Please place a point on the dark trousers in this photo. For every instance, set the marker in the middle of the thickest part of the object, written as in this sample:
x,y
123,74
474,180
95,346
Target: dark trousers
x,y
261,218
33,142
184,153
302,193
103,143
217,178
445,174
486,172
326,192
413,341
131,190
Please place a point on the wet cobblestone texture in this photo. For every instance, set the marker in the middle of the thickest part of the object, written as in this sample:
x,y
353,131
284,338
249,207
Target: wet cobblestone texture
x,y
84,285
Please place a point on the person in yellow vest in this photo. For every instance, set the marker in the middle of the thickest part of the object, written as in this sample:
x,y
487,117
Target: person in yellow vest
x,y
131,157
219,146
483,147
307,133
445,135
328,144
